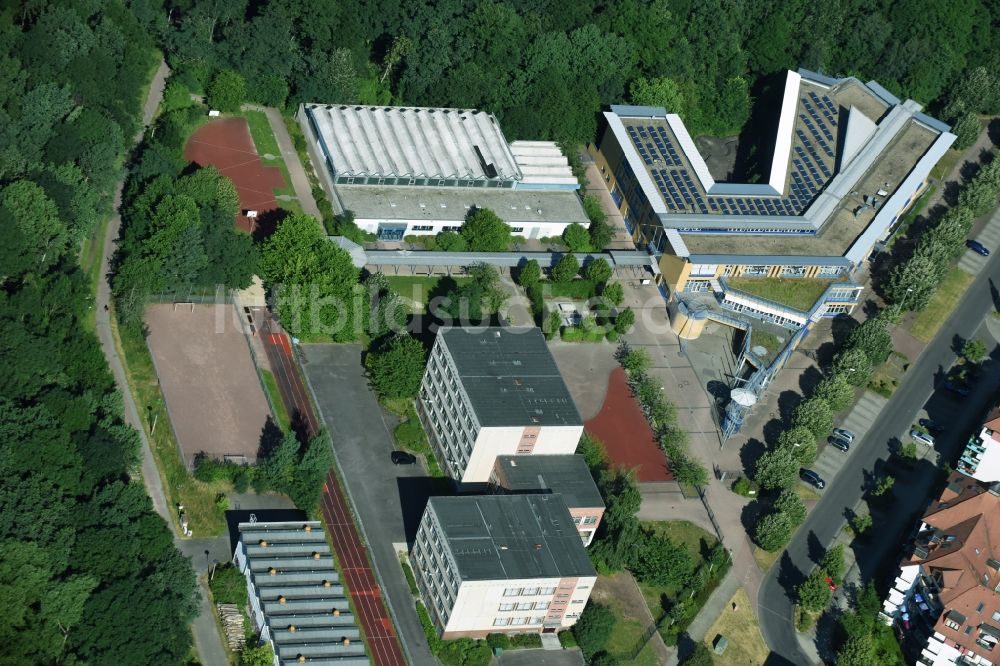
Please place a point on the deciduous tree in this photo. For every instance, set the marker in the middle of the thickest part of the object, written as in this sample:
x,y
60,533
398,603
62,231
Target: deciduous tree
x,y
814,414
227,91
484,231
395,370
814,593
576,238
776,469
598,271
565,269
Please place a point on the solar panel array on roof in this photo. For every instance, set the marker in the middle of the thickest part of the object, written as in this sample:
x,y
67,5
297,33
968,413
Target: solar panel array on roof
x,y
811,166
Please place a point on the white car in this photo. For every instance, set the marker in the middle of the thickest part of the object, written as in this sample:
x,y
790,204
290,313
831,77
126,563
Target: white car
x,y
922,437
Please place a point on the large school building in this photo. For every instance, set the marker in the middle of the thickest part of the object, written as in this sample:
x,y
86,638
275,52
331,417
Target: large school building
x,y
848,159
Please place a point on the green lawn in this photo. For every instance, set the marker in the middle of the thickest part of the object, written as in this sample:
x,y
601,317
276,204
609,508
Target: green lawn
x,y
698,542
627,631
416,290
798,293
263,139
946,164
925,324
274,397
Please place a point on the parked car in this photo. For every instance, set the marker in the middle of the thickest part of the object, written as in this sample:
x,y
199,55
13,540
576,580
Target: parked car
x,y
957,389
839,442
932,427
831,584
922,437
978,247
812,478
403,458
845,433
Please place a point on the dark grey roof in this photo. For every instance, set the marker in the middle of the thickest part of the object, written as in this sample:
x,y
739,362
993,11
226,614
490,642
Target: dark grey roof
x,y
566,475
299,589
505,537
510,376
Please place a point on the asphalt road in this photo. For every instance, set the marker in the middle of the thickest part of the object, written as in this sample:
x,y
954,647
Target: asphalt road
x,y
387,498
827,518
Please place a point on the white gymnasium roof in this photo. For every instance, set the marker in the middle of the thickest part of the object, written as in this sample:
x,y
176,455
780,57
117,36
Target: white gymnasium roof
x,y
391,141
542,162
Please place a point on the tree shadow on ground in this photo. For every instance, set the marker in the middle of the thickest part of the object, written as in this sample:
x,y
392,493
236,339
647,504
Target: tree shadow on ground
x,y
787,402
815,547
686,646
750,453
824,353
841,327
270,437
809,379
267,222
772,429
789,576
993,131
751,514
827,630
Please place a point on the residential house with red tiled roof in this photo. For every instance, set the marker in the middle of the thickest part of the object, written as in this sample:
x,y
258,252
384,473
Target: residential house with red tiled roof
x,y
945,596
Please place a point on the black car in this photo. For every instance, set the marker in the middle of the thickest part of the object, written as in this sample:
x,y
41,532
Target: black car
x,y
840,442
812,478
978,247
932,427
403,458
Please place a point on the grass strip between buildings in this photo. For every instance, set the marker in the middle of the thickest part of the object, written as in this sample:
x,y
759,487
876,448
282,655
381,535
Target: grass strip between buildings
x,y
274,397
927,322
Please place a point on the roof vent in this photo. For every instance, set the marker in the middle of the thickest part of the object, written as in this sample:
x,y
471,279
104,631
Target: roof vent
x,y
308,528
346,642
336,612
262,543
301,659
496,334
292,628
327,583
504,547
281,600
316,555
272,571
538,546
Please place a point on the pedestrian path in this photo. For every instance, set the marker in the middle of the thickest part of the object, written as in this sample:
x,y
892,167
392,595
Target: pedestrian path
x,y
973,262
861,417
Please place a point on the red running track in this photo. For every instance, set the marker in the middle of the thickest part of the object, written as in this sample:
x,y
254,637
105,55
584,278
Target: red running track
x,y
383,644
629,440
290,385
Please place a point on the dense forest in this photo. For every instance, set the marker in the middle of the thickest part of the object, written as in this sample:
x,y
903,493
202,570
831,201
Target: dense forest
x,y
546,67
88,572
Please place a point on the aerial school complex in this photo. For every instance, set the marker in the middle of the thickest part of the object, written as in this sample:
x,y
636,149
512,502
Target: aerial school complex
x,y
848,159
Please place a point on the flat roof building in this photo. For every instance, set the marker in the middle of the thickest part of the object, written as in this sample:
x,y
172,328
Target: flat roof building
x,y
945,595
297,600
501,563
492,391
416,170
848,158
565,475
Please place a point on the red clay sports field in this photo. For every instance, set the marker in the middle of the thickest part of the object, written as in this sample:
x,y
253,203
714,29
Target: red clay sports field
x,y
226,144
627,437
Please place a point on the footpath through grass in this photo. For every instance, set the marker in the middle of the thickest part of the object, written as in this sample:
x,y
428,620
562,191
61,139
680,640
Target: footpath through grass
x,y
180,487
927,322
797,293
